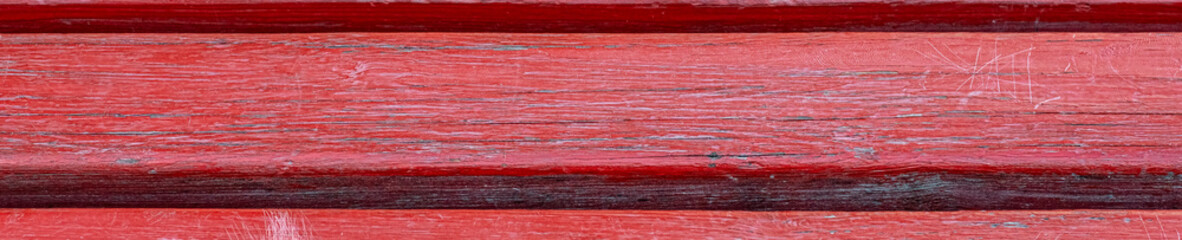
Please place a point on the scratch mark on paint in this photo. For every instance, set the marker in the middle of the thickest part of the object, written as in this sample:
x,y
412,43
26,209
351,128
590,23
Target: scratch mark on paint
x,y
1145,228
1029,82
1160,226
1045,101
281,225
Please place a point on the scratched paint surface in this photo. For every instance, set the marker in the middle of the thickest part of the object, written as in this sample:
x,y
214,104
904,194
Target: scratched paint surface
x,y
531,224
900,120
281,16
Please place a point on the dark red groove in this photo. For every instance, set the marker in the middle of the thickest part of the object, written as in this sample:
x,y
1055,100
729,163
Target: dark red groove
x,y
558,17
929,191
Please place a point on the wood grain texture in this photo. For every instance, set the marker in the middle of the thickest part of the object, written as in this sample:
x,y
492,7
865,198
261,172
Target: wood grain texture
x,y
277,16
821,121
157,224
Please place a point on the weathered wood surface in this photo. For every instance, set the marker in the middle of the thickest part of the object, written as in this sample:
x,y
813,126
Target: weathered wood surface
x,y
835,121
279,16
157,224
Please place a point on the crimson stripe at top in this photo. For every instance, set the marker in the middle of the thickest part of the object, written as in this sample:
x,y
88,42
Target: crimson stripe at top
x,y
63,16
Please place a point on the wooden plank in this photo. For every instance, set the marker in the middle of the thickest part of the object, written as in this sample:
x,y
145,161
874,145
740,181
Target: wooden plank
x,y
564,224
837,121
278,16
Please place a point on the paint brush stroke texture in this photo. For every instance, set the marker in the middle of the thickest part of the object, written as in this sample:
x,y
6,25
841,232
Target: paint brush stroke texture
x,y
839,121
158,224
277,16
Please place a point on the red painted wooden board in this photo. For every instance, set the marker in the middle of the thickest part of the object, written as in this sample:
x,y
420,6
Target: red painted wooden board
x,y
835,121
279,16
586,224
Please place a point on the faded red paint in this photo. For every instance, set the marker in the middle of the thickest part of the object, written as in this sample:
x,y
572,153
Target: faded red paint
x,y
528,224
587,15
921,120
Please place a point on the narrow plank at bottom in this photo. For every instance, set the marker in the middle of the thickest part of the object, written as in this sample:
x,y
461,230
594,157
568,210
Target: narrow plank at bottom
x,y
588,224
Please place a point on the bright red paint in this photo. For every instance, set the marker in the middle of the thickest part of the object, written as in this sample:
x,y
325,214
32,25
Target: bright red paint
x,y
854,122
158,224
280,16
839,121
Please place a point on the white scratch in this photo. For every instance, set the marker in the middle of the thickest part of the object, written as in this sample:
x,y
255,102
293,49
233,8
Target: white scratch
x,y
945,58
1143,227
357,71
1045,101
1159,225
1029,82
282,226
977,68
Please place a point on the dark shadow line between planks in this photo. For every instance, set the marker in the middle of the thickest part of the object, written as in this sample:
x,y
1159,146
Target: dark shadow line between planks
x,y
308,17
